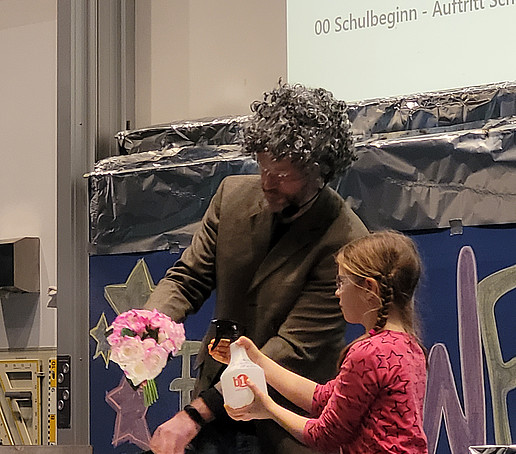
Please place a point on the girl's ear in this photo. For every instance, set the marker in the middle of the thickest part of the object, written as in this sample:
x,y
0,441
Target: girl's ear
x,y
371,285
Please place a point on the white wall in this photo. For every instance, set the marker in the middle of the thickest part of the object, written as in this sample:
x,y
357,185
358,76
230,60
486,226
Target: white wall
x,y
28,30
202,58
194,59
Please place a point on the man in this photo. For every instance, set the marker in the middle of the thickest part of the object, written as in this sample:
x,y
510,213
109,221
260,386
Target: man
x,y
266,245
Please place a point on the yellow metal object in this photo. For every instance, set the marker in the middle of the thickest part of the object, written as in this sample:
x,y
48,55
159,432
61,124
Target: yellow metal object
x,y
20,401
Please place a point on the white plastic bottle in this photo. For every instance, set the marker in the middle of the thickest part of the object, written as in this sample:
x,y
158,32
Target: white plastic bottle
x,y
233,380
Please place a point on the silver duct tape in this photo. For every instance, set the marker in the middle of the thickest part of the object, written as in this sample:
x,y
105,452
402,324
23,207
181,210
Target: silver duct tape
x,y
423,181
423,160
143,205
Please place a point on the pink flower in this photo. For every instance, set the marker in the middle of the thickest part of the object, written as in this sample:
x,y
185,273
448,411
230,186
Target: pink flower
x,y
154,361
159,320
134,346
135,320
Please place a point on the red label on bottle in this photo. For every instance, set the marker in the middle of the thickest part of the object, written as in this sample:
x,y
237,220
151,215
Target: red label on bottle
x,y
240,381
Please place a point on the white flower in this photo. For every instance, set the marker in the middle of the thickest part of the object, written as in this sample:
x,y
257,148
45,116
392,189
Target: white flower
x,y
127,352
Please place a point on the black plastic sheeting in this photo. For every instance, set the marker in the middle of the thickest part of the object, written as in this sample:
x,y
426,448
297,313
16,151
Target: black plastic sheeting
x,y
452,108
424,160
152,200
420,182
211,131
492,449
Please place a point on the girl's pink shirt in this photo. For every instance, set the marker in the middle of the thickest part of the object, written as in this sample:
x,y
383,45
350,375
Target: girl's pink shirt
x,y
375,404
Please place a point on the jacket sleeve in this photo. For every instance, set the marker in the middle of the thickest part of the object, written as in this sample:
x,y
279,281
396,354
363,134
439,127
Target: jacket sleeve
x,y
313,327
190,281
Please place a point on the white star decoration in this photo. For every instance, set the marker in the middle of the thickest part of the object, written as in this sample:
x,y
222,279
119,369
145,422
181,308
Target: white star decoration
x,y
134,293
99,334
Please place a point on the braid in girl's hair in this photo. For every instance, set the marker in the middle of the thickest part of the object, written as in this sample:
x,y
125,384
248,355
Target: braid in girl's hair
x,y
392,259
386,298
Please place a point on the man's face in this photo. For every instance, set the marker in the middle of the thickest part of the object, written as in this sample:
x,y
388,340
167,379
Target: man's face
x,y
284,183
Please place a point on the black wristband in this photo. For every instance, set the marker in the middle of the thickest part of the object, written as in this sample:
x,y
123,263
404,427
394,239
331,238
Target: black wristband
x,y
194,415
215,402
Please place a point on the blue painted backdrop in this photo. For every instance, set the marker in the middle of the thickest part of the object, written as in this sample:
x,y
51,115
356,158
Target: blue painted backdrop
x,y
494,249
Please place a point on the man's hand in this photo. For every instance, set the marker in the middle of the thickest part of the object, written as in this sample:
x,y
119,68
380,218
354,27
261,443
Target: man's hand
x,y
174,435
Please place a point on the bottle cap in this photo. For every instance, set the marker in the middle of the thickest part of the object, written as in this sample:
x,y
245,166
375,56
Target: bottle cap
x,y
226,329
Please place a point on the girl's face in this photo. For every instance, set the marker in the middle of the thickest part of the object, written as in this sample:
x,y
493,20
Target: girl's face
x,y
358,298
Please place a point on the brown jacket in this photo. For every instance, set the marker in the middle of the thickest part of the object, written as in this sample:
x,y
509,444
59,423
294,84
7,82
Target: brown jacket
x,y
284,297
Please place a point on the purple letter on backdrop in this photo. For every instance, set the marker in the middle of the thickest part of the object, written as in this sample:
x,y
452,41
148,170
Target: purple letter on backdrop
x,y
464,427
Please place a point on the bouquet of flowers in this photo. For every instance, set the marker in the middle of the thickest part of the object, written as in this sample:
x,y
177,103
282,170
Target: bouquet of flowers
x,y
141,343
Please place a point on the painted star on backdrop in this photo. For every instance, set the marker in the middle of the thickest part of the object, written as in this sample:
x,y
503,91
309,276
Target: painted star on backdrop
x,y
134,293
130,423
99,334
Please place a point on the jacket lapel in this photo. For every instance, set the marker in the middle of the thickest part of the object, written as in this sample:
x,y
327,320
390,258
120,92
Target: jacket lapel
x,y
310,226
261,226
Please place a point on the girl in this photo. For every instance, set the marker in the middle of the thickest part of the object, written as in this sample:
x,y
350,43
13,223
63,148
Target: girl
x,y
375,404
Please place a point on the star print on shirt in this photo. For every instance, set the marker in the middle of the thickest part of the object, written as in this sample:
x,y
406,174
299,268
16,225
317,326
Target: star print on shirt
x,y
372,448
362,401
379,416
359,368
401,408
399,385
366,344
312,430
381,359
419,443
408,343
389,362
393,360
372,387
392,393
389,338
391,430
417,422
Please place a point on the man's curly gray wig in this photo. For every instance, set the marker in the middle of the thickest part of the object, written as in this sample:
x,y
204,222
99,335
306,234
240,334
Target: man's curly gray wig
x,y
305,125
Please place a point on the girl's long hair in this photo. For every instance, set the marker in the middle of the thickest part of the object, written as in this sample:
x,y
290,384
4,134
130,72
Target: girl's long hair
x,y
393,261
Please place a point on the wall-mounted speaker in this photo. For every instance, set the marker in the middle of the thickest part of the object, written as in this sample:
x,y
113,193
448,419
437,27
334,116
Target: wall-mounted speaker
x,y
19,264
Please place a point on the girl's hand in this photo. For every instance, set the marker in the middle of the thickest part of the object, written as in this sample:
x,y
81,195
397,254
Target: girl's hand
x,y
221,353
251,349
259,408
